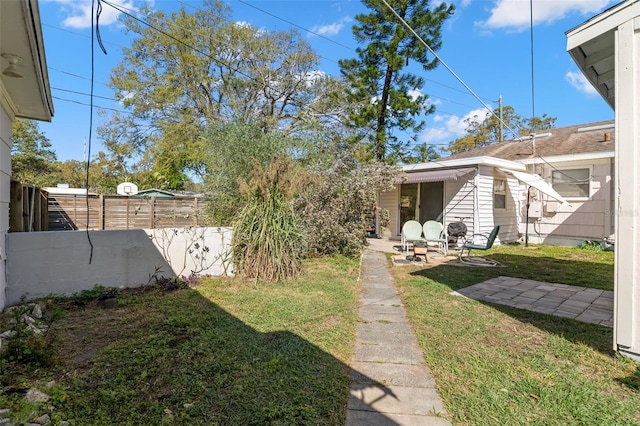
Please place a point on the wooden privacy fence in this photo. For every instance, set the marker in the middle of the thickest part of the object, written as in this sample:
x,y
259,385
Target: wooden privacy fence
x,y
68,212
27,208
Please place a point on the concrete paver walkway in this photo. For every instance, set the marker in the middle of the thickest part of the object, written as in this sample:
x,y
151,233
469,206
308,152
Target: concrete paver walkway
x,y
391,385
580,303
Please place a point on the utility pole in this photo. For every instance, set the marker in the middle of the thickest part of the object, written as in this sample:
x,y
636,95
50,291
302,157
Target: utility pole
x,y
501,138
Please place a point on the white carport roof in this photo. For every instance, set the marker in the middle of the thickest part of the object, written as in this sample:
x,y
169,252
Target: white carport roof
x,y
434,175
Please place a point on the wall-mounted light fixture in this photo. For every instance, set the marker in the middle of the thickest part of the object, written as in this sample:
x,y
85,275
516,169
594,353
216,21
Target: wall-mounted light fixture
x,y
12,70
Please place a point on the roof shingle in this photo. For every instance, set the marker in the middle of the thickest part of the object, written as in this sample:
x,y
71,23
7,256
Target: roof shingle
x,y
578,139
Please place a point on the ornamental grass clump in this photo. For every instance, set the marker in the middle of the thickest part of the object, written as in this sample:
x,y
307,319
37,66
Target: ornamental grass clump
x,y
268,240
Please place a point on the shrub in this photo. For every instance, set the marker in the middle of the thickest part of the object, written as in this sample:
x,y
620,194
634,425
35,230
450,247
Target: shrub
x,y
335,205
267,236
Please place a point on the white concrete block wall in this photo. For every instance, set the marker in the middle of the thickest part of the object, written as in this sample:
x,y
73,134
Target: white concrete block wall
x,y
5,187
58,263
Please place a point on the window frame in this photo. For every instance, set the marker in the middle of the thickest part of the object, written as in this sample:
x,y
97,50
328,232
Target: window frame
x,y
554,184
500,191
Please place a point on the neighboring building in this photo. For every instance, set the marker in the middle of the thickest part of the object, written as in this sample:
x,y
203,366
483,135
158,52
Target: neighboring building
x,y
156,193
578,163
607,50
449,190
24,93
569,170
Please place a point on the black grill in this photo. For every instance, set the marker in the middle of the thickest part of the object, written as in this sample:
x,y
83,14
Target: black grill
x,y
457,229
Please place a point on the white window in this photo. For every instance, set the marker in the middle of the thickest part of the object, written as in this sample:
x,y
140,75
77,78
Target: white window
x,y
499,194
571,183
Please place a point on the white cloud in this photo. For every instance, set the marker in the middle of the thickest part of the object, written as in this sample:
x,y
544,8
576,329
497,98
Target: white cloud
x,y
77,13
451,127
579,81
414,94
516,15
331,29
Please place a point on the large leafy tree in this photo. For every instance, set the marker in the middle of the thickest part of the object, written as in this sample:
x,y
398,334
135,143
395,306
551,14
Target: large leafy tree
x,y
33,161
233,150
482,131
386,97
192,70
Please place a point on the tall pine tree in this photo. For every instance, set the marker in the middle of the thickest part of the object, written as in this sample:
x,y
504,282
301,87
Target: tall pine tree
x,y
384,95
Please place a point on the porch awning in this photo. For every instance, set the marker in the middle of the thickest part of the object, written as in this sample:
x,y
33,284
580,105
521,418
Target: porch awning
x,y
536,182
433,175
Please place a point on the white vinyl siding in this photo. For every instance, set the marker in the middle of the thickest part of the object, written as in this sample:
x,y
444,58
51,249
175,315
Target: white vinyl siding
x,y
583,218
389,200
459,201
5,185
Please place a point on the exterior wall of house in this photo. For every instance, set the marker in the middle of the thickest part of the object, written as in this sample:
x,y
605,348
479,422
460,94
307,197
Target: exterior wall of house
x,y
508,218
460,201
58,263
5,185
389,200
583,219
626,323
487,215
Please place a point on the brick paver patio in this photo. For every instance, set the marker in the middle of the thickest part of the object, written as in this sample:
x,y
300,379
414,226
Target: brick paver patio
x,y
580,303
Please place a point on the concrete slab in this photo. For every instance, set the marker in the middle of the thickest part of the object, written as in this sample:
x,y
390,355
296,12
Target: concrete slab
x,y
382,327
372,418
395,399
377,308
388,374
389,339
388,353
382,317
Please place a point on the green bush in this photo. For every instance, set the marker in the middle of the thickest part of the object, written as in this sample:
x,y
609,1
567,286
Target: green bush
x,y
267,236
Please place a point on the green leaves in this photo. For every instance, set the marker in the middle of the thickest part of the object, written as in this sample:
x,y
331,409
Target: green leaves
x,y
383,97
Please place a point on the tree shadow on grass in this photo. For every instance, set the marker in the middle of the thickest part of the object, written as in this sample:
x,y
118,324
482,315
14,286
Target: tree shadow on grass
x,y
548,269
587,274
632,381
177,358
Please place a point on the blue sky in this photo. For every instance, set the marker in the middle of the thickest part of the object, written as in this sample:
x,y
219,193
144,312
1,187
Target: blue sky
x,y
486,43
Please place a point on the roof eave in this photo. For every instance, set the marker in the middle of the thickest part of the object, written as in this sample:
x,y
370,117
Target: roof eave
x,y
30,96
465,162
598,35
570,157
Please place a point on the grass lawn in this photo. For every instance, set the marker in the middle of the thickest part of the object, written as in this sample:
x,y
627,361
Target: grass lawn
x,y
227,352
232,352
496,365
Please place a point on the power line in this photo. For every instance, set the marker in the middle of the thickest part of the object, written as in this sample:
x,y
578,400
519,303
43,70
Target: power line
x,y
80,35
89,105
76,75
297,26
84,94
453,73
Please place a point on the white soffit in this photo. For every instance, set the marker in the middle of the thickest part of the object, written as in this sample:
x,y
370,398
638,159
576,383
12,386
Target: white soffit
x,y
433,175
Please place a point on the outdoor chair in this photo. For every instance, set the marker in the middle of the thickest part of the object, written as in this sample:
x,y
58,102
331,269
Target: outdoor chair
x,y
411,232
470,245
434,233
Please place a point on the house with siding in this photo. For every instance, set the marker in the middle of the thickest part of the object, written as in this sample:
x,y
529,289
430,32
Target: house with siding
x,y
553,188
578,163
24,93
